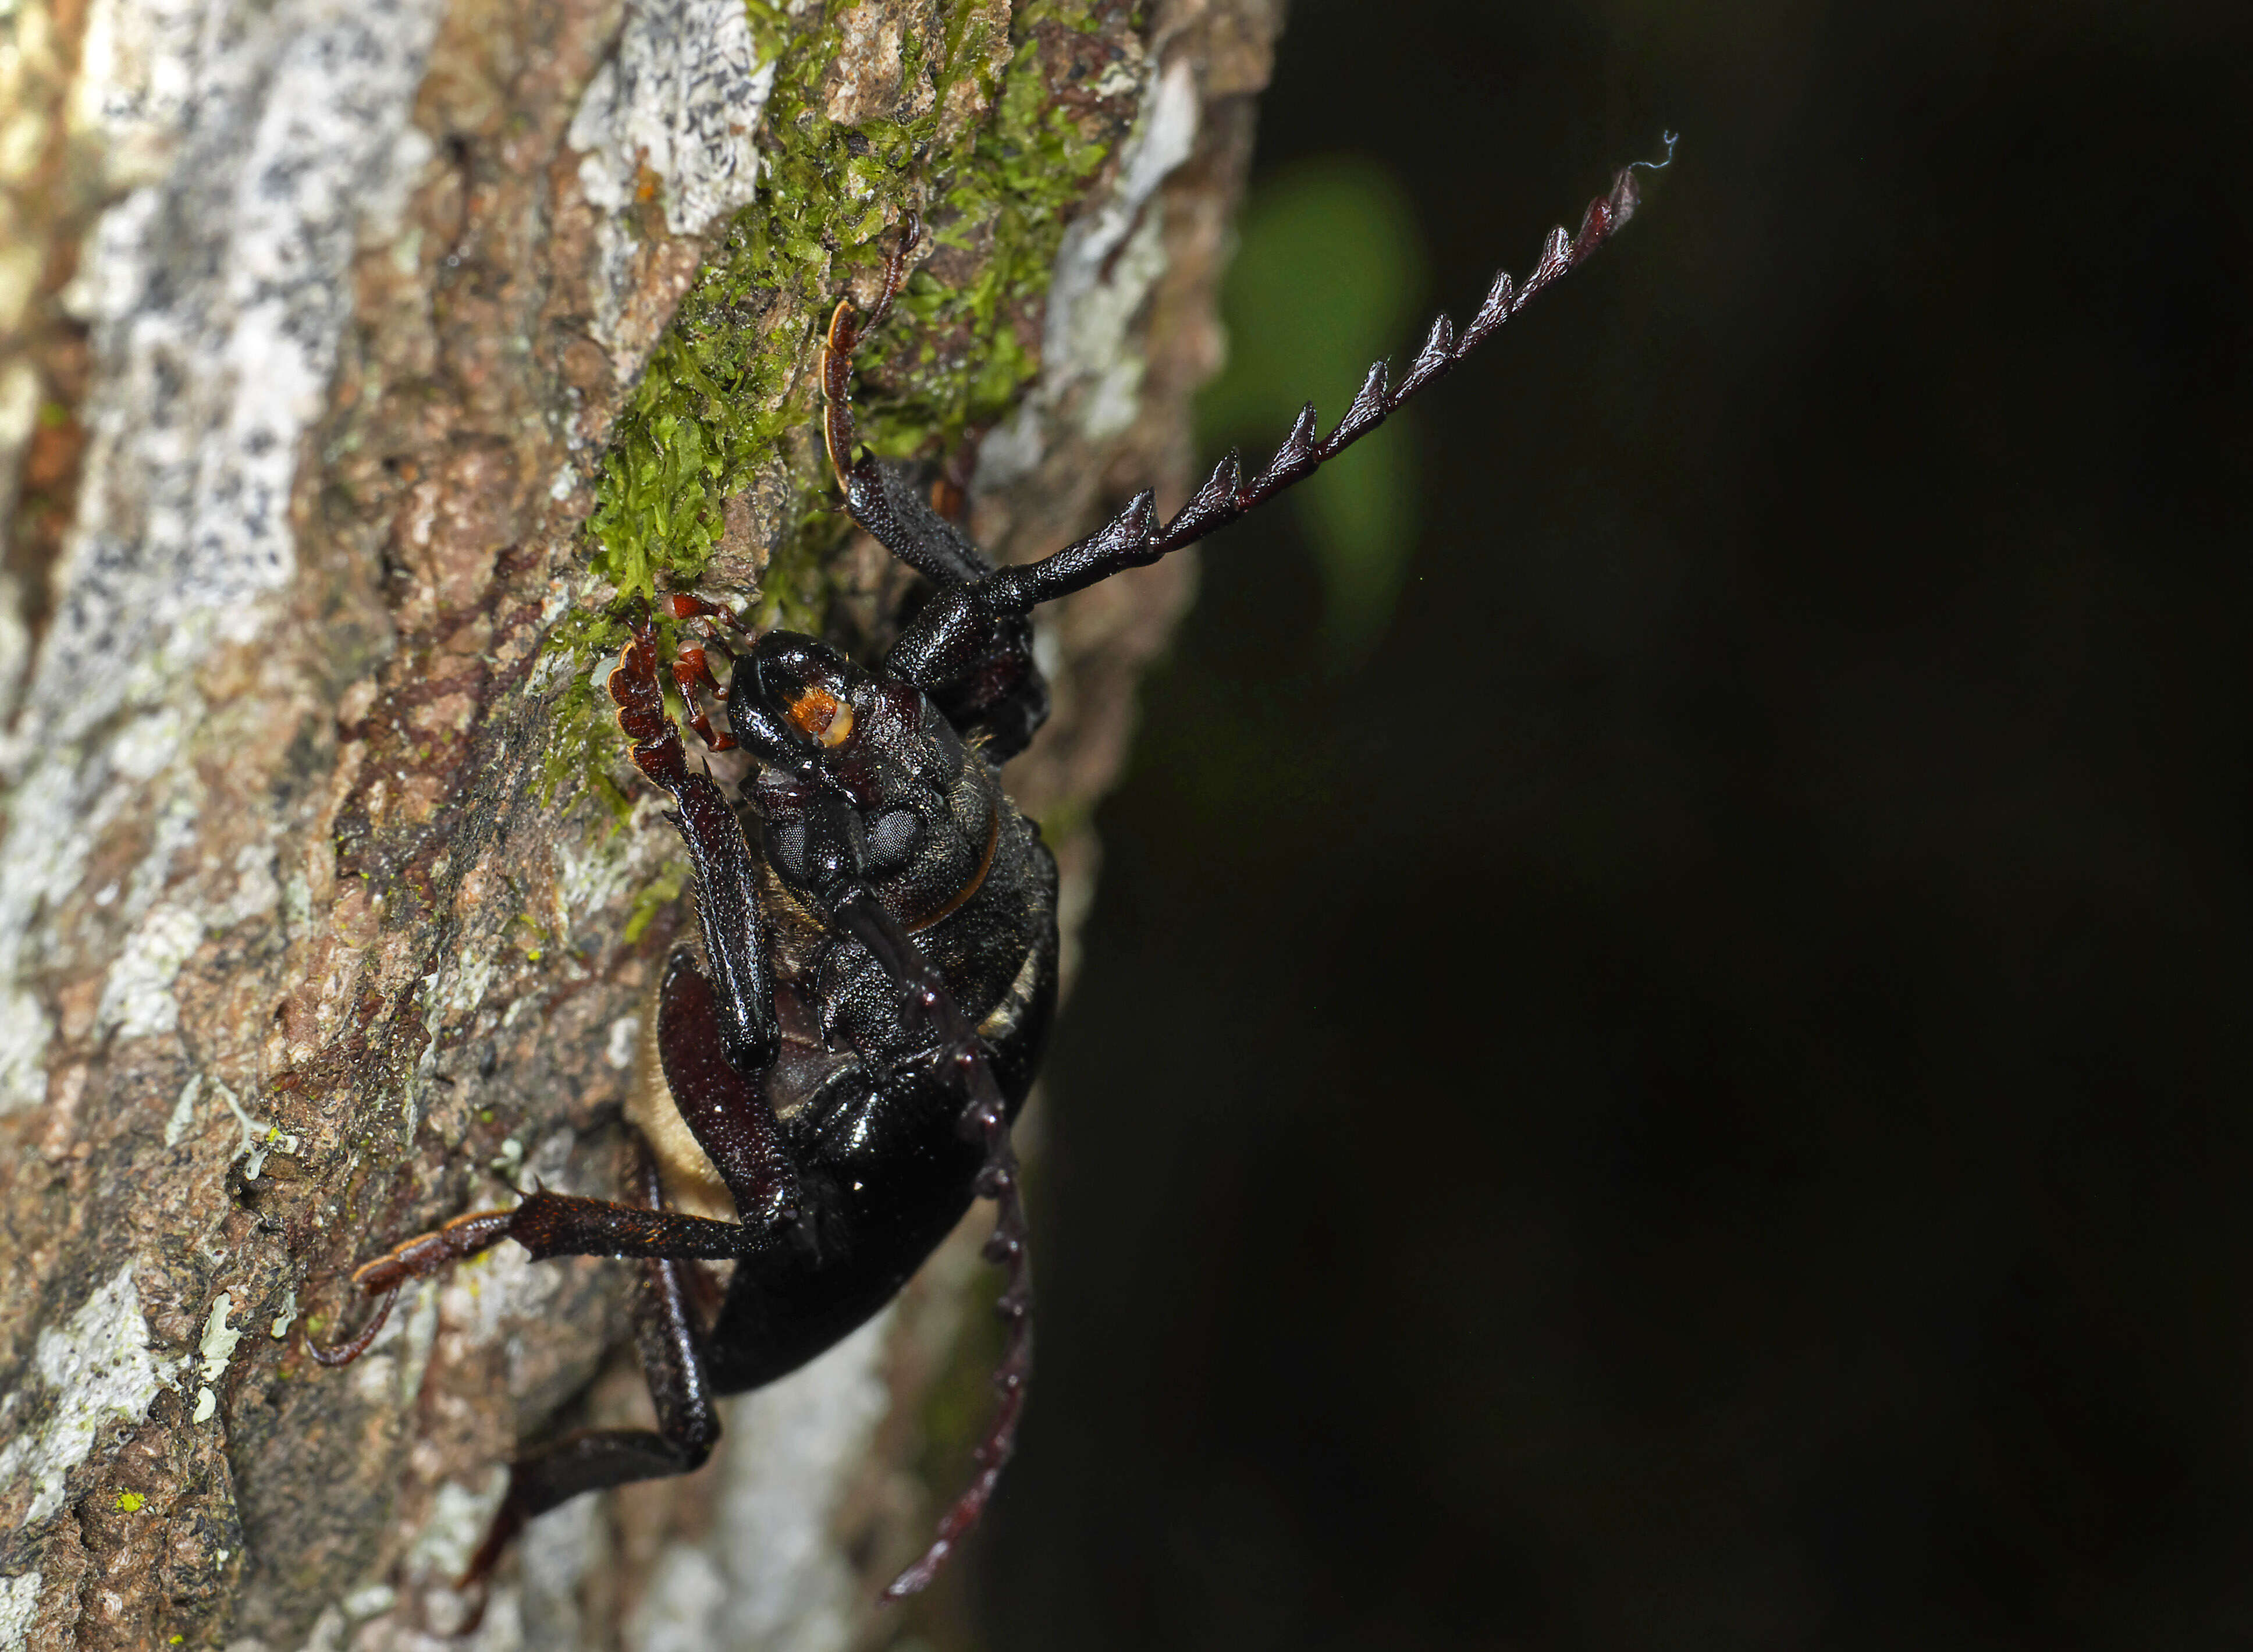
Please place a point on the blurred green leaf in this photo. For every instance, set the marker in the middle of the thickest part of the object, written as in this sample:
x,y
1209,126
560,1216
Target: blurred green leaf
x,y
1328,277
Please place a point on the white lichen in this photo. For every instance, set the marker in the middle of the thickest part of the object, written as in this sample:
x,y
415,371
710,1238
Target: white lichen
x,y
137,998
251,135
217,1348
553,1556
368,1602
782,1585
328,1634
681,98
260,1137
680,101
100,1370
450,996
1109,260
594,874
688,1595
183,1110
19,1600
256,891
459,1518
624,1039
504,1291
136,74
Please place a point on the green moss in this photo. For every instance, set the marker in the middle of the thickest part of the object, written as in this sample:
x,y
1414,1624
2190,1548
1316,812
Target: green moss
x,y
583,740
654,898
735,375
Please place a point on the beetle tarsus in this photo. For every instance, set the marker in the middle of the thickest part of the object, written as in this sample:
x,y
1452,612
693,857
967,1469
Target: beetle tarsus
x,y
420,1257
343,1353
436,1251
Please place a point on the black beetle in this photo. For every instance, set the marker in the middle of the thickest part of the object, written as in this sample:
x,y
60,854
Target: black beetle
x,y
839,1068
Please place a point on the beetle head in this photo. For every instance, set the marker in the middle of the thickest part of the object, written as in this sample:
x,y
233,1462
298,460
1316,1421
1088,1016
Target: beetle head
x,y
862,782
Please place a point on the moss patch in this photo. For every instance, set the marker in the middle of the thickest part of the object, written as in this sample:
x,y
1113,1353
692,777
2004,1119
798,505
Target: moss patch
x,y
734,378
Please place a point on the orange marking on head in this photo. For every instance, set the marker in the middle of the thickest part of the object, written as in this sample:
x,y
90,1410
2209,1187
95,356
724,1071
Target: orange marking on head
x,y
822,714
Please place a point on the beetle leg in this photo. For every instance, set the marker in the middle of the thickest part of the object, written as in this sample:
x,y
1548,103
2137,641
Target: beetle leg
x,y
351,1348
672,1349
882,496
879,494
692,672
418,1258
726,1112
548,1224
726,878
1009,700
843,339
686,605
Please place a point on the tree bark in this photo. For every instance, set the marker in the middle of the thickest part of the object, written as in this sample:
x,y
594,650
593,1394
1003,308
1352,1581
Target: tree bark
x,y
322,398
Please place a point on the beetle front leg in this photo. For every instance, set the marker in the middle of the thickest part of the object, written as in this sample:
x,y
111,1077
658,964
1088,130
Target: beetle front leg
x,y
726,878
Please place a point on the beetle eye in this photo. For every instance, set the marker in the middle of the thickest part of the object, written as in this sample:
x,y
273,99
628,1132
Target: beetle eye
x,y
787,844
892,835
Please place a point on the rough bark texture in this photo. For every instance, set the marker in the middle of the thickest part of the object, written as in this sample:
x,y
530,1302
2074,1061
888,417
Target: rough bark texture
x,y
322,324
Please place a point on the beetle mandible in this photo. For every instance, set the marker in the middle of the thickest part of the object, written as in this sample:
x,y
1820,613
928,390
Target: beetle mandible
x,y
842,1060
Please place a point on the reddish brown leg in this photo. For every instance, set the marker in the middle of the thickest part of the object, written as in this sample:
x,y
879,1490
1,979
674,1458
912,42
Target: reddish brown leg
x,y
682,605
418,1258
726,875
844,337
691,671
546,1224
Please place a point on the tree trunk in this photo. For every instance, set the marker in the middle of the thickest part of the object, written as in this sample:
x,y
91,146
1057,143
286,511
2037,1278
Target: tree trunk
x,y
356,357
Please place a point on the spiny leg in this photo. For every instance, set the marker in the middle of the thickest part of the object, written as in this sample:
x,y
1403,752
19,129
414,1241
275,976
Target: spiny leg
x,y
727,910
724,1108
716,1047
418,1258
691,672
548,1224
994,692
691,667
1008,700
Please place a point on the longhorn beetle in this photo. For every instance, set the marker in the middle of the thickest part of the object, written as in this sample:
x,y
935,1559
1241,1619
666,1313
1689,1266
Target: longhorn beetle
x,y
839,1067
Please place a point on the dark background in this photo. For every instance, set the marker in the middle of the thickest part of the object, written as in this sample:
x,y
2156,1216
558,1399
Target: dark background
x,y
1696,1094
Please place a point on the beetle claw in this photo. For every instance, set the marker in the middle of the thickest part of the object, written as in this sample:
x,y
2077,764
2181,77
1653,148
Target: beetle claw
x,y
343,1353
